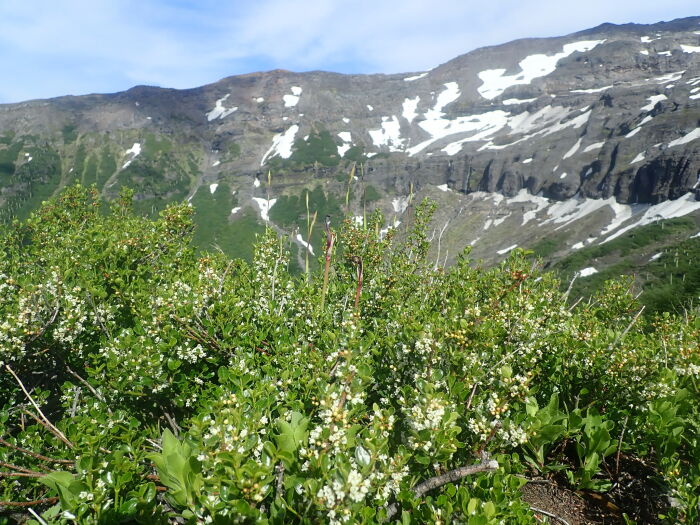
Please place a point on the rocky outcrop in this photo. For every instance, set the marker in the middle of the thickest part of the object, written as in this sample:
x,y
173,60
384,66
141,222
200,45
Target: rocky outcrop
x,y
611,111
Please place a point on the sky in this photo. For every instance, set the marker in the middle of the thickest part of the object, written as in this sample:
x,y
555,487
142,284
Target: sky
x,y
51,48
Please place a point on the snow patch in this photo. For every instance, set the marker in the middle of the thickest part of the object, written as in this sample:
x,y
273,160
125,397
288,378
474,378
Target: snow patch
x,y
259,100
562,176
305,244
409,108
256,183
388,135
292,100
690,49
371,108
506,250
695,134
235,210
655,256
400,204
593,90
281,144
527,161
524,196
577,246
212,188
265,205
653,100
664,210
219,110
644,52
573,149
215,163
586,272
593,147
638,158
513,101
416,77
633,132
346,120
134,151
671,77
443,187
494,82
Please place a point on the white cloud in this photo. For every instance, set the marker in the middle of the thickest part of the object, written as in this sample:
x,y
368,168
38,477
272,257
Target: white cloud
x,y
80,46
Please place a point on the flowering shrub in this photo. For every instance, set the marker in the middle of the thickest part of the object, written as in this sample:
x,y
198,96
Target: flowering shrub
x,y
142,382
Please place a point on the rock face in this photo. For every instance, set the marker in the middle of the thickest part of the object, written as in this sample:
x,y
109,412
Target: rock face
x,y
611,112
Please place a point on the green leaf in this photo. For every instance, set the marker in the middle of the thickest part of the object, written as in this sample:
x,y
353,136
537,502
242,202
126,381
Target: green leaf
x,y
293,433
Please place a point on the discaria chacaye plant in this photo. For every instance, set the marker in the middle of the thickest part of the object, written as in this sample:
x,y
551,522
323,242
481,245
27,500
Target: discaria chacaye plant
x,y
142,382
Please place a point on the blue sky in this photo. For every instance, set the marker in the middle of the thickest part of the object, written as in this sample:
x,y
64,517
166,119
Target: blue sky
x,y
56,47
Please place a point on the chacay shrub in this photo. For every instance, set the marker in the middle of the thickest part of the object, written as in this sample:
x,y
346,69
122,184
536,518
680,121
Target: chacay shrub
x,y
142,382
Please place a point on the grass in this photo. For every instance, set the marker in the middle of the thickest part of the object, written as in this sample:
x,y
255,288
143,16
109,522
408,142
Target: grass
x,y
670,282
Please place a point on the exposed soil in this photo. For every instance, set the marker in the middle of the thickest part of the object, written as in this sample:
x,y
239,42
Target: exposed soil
x,y
635,492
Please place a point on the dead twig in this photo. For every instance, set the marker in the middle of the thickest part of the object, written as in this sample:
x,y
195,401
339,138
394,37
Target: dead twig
x,y
35,455
44,501
22,474
60,435
89,387
629,327
486,465
17,468
280,480
619,446
549,515
173,424
471,396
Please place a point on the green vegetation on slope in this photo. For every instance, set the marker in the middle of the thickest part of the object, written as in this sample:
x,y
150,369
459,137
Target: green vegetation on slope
x,y
142,382
629,254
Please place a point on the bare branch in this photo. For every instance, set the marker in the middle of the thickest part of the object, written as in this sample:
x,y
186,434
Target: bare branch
x,y
629,327
89,387
487,465
45,501
549,514
35,455
60,435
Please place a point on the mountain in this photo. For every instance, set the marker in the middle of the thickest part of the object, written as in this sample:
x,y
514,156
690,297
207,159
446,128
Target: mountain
x,y
557,144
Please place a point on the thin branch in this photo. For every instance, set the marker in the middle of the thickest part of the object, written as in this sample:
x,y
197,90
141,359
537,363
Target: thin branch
x,y
46,325
35,455
98,316
471,396
49,425
487,465
549,514
41,520
22,475
173,424
45,501
619,447
17,468
76,397
629,327
280,480
89,387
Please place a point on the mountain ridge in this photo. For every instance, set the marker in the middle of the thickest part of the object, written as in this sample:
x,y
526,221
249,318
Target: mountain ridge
x,y
603,119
